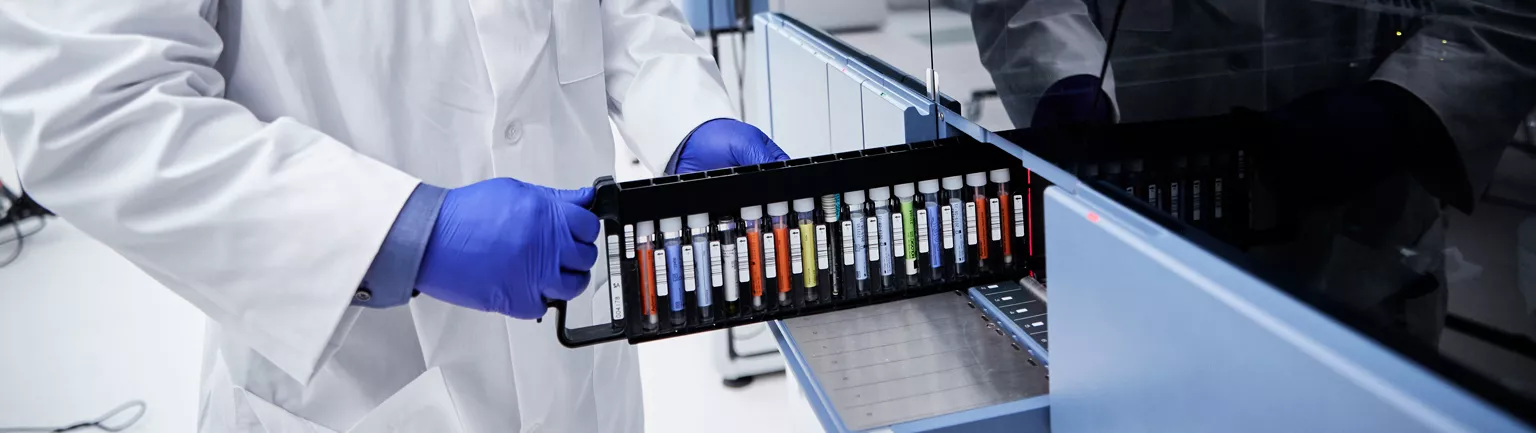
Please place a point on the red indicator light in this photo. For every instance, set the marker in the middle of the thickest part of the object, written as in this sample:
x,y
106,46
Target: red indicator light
x,y
1093,217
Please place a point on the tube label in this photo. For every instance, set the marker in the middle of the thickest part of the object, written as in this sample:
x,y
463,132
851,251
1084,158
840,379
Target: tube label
x,y
728,264
1216,210
948,228
995,219
848,242
772,257
821,246
795,256
1174,201
1018,216
742,273
872,228
860,247
970,223
661,273
688,279
1194,200
615,279
922,231
716,268
898,236
629,241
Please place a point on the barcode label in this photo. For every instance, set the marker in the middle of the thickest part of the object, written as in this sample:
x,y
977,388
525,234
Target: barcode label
x,y
770,253
794,252
742,273
1194,197
1152,198
873,239
1216,211
615,279
970,223
948,226
898,238
848,242
922,231
1173,199
661,273
716,266
1018,216
629,241
995,221
821,247
688,278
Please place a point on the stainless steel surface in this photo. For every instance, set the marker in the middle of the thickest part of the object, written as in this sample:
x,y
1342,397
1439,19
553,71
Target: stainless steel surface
x,y
907,360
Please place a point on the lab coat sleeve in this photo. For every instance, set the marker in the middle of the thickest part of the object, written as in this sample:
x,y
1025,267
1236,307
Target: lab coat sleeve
x,y
1029,45
661,83
114,114
1476,68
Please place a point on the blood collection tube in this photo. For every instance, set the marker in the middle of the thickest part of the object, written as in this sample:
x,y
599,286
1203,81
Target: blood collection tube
x,y
977,223
855,245
906,234
733,261
809,249
645,251
956,201
829,246
1199,196
676,264
932,235
752,240
706,271
880,200
1008,219
778,249
1177,203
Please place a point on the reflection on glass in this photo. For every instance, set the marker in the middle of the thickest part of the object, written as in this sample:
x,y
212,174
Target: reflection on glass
x,y
1374,151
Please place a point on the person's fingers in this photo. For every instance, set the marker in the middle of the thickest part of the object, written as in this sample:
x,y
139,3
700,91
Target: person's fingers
x,y
582,223
580,196
756,148
578,256
572,283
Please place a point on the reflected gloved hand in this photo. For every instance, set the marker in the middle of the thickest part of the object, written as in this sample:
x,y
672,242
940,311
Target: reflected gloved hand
x,y
722,143
502,246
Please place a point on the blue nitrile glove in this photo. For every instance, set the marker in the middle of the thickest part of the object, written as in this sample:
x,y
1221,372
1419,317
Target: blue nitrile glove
x,y
502,246
722,143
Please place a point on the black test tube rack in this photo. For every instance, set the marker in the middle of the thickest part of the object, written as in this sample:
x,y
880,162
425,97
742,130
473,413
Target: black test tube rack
x,y
725,191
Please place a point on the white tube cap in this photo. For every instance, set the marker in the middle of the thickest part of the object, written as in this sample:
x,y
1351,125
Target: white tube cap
x,y
698,221
853,197
976,179
805,205
778,208
752,212
880,194
1000,175
954,182
645,228
904,190
673,224
929,186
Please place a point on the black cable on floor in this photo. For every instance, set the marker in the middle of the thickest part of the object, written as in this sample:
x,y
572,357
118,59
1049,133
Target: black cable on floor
x,y
104,422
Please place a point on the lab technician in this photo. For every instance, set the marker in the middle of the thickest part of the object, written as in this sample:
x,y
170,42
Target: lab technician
x,y
292,168
1394,112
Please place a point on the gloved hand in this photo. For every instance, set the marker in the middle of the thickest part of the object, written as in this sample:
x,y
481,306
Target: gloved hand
x,y
1074,100
722,143
502,245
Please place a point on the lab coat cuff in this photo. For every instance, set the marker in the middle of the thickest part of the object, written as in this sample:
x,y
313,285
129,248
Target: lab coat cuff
x,y
391,278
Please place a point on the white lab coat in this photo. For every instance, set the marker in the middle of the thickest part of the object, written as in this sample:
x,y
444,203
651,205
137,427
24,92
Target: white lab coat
x,y
252,154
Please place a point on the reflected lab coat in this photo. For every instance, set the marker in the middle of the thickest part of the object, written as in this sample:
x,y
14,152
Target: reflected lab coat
x,y
252,154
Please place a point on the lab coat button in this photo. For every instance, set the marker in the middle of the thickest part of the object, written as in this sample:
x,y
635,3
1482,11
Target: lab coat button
x,y
513,133
362,295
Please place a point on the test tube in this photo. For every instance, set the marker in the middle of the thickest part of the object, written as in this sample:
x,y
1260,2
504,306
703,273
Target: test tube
x,y
645,251
880,200
979,227
906,233
779,251
810,249
855,245
706,271
1007,217
828,241
932,235
675,265
733,262
1199,197
1176,189
956,201
752,240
